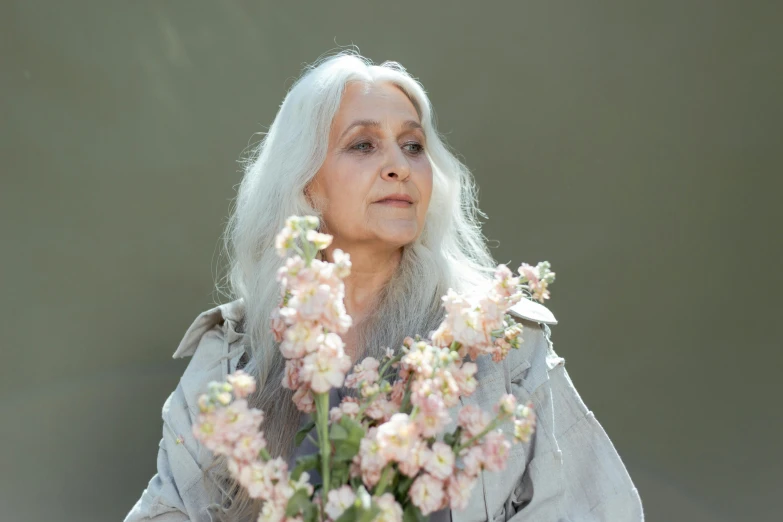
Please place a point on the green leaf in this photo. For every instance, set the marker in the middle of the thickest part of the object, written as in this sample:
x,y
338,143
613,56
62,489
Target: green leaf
x,y
346,434
344,451
349,515
338,476
354,429
337,432
412,514
298,502
453,438
304,463
368,515
302,433
311,514
357,513
403,486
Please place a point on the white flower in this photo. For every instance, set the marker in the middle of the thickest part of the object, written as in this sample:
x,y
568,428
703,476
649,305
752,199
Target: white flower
x,y
338,501
440,461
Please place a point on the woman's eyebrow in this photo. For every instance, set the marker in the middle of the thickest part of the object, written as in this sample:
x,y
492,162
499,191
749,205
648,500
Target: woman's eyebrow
x,y
407,125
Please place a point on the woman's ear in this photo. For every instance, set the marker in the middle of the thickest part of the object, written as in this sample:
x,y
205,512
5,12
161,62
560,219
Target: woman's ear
x,y
315,197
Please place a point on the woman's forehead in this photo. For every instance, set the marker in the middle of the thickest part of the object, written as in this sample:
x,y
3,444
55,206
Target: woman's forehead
x,y
381,102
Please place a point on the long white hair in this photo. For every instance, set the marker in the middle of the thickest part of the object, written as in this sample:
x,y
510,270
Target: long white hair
x,y
450,252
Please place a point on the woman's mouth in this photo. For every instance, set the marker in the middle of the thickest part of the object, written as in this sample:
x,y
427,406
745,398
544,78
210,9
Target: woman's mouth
x,y
399,200
401,203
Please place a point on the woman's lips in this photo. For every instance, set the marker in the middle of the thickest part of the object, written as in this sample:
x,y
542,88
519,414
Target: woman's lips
x,y
396,203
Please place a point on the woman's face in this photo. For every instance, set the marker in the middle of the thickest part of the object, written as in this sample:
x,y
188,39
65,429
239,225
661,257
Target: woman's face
x,y
375,185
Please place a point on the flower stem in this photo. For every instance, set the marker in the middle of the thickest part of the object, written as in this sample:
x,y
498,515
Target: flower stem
x,y
322,423
384,480
491,426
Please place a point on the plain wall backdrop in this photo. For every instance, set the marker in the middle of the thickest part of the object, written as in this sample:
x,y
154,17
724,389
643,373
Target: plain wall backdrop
x,y
635,145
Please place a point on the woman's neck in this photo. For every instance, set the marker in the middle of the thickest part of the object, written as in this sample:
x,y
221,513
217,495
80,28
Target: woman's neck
x,y
371,269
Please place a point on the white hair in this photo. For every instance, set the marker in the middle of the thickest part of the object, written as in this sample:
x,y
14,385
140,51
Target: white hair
x,y
450,252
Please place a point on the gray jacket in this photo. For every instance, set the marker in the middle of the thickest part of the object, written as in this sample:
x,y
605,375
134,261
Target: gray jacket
x,y
568,472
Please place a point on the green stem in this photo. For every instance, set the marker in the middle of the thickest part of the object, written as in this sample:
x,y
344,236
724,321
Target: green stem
x,y
387,364
406,397
491,426
367,402
384,480
322,423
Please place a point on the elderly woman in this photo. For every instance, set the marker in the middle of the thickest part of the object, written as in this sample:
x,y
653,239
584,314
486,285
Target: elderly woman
x,y
356,144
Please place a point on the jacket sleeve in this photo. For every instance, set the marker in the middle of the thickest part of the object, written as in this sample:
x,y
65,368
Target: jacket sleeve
x,y
179,490
573,472
170,495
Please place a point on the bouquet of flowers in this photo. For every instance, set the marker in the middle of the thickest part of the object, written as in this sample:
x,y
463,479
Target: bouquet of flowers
x,y
383,455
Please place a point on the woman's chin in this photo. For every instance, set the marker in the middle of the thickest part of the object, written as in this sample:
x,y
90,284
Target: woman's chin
x,y
398,236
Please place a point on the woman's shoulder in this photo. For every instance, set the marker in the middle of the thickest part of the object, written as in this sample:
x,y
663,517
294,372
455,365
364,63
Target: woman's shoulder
x,y
224,320
532,311
536,355
215,343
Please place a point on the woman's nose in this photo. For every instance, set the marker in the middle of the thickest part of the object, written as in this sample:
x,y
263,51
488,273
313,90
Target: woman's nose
x,y
397,168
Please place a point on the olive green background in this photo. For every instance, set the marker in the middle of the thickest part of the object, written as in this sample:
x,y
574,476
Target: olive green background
x,y
635,145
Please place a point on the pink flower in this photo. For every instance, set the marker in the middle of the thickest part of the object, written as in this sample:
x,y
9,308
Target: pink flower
x,y
285,488
284,241
304,399
433,415
255,478
320,240
410,463
366,371
472,420
524,422
427,493
398,391
277,324
291,379
465,378
506,285
538,279
370,459
529,273
506,406
496,450
396,437
326,367
421,359
391,511
300,339
349,407
335,317
310,300
342,263
472,460
502,347
248,446
338,501
459,488
440,461
446,385
381,409
442,336
272,512
243,383
238,419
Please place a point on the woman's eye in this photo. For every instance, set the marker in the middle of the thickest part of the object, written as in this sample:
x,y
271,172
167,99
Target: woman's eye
x,y
417,147
360,146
